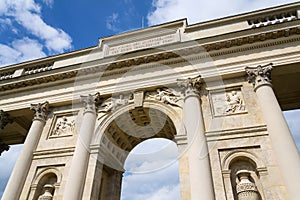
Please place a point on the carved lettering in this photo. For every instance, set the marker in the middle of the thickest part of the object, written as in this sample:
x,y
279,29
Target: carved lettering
x,y
153,42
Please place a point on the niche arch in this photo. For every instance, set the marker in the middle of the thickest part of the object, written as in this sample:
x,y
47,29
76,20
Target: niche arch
x,y
48,176
239,160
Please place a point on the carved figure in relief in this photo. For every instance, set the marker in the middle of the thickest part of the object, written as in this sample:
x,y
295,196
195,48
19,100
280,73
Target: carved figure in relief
x,y
63,127
234,103
166,96
112,104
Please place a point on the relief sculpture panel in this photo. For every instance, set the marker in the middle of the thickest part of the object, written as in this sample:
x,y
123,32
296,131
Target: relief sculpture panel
x,y
64,126
227,102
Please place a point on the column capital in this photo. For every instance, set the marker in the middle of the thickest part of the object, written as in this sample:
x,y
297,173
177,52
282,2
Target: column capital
x,y
3,147
91,102
191,86
40,110
260,75
4,119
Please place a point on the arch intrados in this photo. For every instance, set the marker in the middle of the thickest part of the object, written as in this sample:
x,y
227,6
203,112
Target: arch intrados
x,y
240,154
169,111
46,172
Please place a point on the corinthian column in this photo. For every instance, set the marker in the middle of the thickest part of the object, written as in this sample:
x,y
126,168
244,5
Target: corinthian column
x,y
201,185
282,141
17,179
76,177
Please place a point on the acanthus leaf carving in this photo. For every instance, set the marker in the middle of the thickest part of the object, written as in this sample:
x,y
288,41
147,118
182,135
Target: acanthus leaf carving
x,y
260,75
190,86
91,102
4,119
40,110
3,147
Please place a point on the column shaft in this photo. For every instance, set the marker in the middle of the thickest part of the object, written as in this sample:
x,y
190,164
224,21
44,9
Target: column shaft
x,y
283,144
77,174
19,174
199,164
201,183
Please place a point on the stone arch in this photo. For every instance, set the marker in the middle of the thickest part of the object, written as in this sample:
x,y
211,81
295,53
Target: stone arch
x,y
170,112
233,155
113,155
49,175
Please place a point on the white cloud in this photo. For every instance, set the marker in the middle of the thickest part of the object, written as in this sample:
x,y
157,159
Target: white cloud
x,y
112,22
20,50
49,3
196,11
293,120
27,13
9,158
150,174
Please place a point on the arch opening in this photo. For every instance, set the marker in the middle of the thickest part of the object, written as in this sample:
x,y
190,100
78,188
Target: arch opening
x,y
123,145
151,171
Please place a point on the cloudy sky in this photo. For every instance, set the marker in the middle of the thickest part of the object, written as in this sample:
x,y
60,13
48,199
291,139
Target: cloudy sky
x,y
31,29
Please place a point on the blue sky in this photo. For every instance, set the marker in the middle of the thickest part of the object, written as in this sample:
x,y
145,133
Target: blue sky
x,y
30,29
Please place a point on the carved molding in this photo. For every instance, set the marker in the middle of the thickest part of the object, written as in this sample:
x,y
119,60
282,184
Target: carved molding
x,y
40,110
190,86
260,75
91,102
4,119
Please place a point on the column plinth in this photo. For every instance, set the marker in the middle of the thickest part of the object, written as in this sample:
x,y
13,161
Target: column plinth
x,y
282,141
17,179
201,184
76,177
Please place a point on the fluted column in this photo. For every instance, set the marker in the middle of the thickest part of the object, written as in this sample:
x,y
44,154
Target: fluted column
x,y
17,179
282,141
199,165
76,177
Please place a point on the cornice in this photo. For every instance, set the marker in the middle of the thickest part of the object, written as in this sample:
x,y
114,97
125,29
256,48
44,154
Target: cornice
x,y
244,41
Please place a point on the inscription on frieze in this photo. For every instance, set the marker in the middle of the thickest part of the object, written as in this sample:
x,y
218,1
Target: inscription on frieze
x,y
143,44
